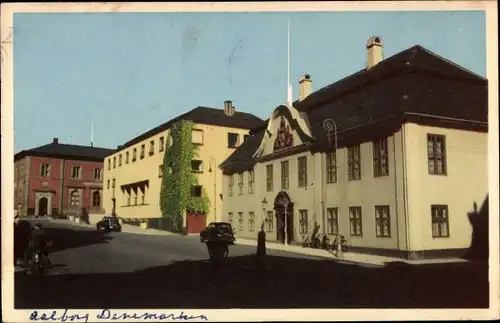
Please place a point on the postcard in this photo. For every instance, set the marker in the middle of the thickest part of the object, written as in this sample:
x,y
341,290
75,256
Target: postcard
x,y
258,161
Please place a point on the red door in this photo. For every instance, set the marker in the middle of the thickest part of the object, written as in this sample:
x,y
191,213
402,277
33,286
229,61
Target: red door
x,y
195,222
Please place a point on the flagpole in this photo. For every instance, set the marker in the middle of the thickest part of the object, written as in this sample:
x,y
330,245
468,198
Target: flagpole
x,y
289,85
289,103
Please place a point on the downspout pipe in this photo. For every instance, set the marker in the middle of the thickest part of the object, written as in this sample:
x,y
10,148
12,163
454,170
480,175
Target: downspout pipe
x,y
405,191
396,191
61,186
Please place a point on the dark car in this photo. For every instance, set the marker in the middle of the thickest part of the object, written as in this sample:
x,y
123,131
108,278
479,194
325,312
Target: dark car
x,y
109,223
218,231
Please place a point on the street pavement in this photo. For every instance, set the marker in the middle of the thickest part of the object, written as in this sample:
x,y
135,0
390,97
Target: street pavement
x,y
129,270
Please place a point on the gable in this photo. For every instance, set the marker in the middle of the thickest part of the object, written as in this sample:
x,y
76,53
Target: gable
x,y
286,128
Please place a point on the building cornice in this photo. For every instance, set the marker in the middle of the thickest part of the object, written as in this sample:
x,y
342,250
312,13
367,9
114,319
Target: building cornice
x,y
363,133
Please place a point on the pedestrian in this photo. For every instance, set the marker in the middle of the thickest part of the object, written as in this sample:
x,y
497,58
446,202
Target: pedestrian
x,y
39,241
261,249
22,231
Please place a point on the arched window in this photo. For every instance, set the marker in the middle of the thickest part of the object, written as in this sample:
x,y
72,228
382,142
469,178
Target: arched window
x,y
74,198
96,199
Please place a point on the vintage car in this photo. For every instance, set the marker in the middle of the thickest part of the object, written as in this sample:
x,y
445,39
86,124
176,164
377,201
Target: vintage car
x,y
218,232
109,223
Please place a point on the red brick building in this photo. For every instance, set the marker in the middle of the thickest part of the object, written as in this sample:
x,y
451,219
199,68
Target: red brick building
x,y
57,179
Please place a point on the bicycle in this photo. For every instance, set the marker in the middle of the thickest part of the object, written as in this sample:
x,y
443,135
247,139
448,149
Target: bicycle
x,y
306,242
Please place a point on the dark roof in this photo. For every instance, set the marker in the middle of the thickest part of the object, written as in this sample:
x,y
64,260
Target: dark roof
x,y
413,82
202,115
243,155
73,152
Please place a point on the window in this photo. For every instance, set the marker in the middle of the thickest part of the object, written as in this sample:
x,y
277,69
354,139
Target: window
x,y
331,167
143,151
251,221
382,221
354,163
160,171
231,184
380,158
240,183
114,162
119,160
76,172
127,157
303,222
114,183
269,178
440,224
161,144
45,170
355,222
302,161
240,221
74,199
151,147
197,136
285,179
436,152
134,154
251,177
96,199
107,185
230,218
269,221
332,220
196,166
109,164
232,140
97,174
196,190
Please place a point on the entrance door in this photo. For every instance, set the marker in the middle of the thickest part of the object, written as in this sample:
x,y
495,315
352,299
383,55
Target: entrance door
x,y
43,206
280,223
113,208
283,206
196,222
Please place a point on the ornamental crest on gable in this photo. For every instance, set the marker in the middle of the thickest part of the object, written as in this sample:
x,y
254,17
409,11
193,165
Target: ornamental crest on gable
x,y
284,137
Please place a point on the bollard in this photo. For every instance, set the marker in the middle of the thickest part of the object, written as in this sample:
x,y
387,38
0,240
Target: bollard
x,y
339,249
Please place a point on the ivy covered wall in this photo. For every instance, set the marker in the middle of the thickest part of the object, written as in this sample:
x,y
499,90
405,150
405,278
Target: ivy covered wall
x,y
177,182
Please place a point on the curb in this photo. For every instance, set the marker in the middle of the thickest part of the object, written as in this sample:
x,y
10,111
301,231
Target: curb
x,y
326,255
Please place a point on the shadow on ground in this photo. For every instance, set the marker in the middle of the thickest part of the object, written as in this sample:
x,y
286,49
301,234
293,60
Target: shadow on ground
x,y
292,283
68,238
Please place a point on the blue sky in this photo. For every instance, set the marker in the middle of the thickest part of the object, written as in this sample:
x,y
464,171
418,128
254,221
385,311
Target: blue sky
x,y
130,72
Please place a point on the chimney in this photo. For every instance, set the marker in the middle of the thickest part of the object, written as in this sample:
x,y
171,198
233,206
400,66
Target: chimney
x,y
55,140
374,51
305,87
229,108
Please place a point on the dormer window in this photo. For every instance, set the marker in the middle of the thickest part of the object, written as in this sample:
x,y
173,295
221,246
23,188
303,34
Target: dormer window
x,y
232,140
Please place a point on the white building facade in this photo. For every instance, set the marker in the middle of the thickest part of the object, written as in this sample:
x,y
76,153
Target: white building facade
x,y
411,160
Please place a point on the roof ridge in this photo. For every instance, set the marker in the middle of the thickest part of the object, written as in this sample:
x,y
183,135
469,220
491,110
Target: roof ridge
x,y
430,52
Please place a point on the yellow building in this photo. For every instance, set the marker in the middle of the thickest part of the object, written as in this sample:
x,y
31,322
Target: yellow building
x,y
132,174
392,157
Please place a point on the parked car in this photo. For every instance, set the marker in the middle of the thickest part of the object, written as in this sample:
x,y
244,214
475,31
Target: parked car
x,y
109,223
218,231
